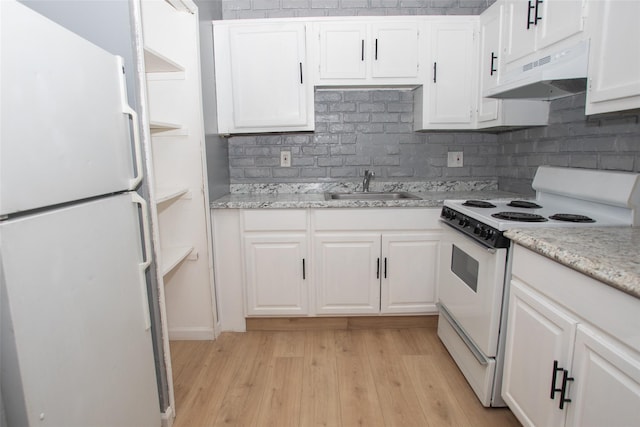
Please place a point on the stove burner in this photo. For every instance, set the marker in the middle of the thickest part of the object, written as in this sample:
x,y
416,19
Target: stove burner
x,y
478,204
519,216
571,218
523,204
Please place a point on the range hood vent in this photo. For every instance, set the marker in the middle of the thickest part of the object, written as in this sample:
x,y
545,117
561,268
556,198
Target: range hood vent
x,y
554,75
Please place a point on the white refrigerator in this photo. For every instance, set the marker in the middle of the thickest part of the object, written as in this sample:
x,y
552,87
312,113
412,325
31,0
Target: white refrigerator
x,y
75,339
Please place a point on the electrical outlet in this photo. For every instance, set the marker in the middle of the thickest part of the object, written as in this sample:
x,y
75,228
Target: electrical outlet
x,y
285,159
454,159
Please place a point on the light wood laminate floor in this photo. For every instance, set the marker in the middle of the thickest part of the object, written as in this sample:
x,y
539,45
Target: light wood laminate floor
x,y
325,377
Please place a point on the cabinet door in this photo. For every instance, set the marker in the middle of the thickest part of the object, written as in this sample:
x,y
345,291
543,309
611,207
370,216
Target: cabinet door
x,y
559,20
538,333
276,274
490,55
520,39
614,56
342,51
606,389
450,93
347,274
268,75
394,50
409,266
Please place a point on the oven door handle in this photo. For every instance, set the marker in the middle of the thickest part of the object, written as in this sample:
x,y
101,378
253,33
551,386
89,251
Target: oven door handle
x,y
477,353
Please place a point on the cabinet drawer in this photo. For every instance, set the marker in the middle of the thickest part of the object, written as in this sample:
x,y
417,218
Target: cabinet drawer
x,y
376,219
275,219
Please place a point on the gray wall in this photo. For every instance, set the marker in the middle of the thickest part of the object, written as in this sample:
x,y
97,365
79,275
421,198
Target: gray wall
x,y
217,148
355,130
608,141
243,9
358,130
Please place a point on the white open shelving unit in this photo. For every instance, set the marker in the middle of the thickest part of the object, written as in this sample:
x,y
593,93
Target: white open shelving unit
x,y
174,147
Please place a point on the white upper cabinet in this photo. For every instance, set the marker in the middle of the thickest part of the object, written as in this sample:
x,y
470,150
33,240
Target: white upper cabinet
x,y
395,50
262,79
449,92
533,25
614,56
359,53
490,57
342,51
494,112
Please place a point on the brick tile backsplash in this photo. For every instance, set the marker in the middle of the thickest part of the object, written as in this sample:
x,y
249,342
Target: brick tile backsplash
x,y
609,141
358,139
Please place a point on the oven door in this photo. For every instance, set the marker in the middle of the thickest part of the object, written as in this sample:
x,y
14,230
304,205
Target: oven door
x,y
470,287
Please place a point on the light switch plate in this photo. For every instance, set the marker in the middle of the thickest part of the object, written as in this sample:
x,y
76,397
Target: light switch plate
x,y
285,159
454,159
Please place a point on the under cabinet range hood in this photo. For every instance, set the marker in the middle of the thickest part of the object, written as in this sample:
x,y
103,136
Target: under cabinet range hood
x,y
550,76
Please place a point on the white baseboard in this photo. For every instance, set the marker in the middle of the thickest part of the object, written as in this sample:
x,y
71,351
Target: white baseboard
x,y
191,334
168,417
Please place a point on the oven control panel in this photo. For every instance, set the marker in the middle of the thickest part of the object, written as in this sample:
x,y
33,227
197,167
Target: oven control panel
x,y
484,234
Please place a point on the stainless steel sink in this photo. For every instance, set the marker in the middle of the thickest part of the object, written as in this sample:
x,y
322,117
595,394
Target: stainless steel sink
x,y
369,196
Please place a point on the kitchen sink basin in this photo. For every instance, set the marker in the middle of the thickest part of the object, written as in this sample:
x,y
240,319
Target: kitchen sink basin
x,y
369,196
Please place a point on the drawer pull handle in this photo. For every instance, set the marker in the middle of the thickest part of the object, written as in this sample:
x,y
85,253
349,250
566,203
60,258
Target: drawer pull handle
x,y
554,377
536,17
529,23
493,58
563,393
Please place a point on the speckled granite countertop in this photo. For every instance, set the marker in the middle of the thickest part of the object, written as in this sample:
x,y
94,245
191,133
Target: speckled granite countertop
x,y
287,196
608,254
317,200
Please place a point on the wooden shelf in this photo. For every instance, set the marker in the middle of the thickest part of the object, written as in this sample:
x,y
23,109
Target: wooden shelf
x,y
165,195
171,257
157,63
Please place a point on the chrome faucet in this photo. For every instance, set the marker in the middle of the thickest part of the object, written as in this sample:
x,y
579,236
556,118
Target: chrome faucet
x,y
367,178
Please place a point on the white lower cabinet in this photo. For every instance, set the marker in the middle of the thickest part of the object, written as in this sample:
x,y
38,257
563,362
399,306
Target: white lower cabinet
x,y
347,273
275,268
308,262
572,353
358,273
375,261
608,390
539,338
408,273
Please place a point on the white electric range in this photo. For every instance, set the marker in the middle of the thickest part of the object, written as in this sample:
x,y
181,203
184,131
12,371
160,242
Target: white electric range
x,y
475,261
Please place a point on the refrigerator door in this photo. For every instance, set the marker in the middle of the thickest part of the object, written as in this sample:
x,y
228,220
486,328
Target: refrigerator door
x,y
65,131
76,346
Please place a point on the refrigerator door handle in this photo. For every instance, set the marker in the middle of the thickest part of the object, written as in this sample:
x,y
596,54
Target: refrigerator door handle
x,y
146,258
126,109
137,179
